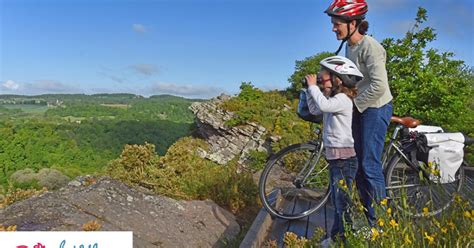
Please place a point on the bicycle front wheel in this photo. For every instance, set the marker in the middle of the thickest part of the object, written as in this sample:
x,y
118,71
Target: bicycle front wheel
x,y
417,195
295,182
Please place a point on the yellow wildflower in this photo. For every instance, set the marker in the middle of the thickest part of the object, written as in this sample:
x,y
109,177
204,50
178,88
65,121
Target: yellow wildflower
x,y
11,228
435,172
393,223
451,225
407,240
430,164
92,225
381,222
467,214
444,230
343,184
389,211
457,198
429,238
361,207
375,233
384,202
8,228
425,211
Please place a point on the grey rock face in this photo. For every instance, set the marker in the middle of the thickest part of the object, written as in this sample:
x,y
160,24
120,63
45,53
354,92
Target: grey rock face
x,y
156,221
226,142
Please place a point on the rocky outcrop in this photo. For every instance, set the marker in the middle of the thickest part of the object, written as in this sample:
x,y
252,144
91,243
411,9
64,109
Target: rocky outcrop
x,y
156,221
226,142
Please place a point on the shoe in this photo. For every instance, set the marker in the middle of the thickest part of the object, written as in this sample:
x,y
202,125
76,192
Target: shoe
x,y
327,243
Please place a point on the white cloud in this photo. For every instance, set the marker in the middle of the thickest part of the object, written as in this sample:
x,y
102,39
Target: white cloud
x,y
50,86
139,28
10,85
38,87
198,91
145,69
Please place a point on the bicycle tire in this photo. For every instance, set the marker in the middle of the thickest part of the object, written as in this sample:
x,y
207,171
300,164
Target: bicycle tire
x,y
416,195
282,194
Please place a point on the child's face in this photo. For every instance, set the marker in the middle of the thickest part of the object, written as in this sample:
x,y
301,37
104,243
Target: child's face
x,y
324,82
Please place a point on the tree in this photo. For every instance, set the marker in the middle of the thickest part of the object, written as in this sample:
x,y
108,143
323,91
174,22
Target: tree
x,y
429,84
309,65
426,83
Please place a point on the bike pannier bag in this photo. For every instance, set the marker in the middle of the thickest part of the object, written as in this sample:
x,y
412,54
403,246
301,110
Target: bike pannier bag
x,y
426,129
443,153
303,109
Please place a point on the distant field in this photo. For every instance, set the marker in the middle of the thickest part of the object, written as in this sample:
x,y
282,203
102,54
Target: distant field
x,y
122,106
27,108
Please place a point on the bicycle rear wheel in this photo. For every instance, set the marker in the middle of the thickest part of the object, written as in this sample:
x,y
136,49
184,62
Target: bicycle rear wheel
x,y
288,188
415,194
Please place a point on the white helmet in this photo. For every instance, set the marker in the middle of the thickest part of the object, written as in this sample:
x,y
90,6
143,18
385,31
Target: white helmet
x,y
344,68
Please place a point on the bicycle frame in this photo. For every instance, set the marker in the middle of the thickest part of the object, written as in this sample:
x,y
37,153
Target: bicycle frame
x,y
394,144
312,162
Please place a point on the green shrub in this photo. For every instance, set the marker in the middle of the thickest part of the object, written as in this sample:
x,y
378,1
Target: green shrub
x,y
23,176
51,179
182,174
257,160
273,111
24,179
134,164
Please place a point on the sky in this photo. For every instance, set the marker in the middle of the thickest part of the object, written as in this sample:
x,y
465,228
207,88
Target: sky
x,y
191,48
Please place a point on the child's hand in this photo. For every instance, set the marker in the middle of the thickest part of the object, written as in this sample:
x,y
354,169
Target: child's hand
x,y
311,79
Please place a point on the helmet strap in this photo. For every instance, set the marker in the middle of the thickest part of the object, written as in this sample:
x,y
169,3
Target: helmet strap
x,y
340,47
349,35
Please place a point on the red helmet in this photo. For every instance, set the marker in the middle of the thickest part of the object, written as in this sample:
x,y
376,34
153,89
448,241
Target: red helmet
x,y
348,9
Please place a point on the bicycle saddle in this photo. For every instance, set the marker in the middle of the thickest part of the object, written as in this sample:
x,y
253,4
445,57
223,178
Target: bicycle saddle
x,y
406,121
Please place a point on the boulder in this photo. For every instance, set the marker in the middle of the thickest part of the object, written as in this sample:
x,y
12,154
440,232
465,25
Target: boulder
x,y
226,142
156,221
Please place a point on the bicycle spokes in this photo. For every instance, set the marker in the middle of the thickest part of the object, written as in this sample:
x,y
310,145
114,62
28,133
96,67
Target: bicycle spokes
x,y
301,179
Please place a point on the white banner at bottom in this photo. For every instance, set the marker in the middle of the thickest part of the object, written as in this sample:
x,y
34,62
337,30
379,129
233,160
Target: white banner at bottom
x,y
66,239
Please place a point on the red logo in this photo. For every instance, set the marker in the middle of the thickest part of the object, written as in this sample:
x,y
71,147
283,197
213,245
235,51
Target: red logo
x,y
39,245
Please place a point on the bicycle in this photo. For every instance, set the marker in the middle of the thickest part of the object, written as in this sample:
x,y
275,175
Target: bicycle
x,y
295,181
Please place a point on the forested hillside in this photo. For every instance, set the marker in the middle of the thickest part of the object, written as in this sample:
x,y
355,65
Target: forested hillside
x,y
79,134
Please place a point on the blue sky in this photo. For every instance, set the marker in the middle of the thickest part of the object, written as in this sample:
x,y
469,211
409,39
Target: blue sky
x,y
192,48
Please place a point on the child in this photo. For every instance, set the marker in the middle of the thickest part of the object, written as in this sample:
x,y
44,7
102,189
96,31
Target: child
x,y
337,80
